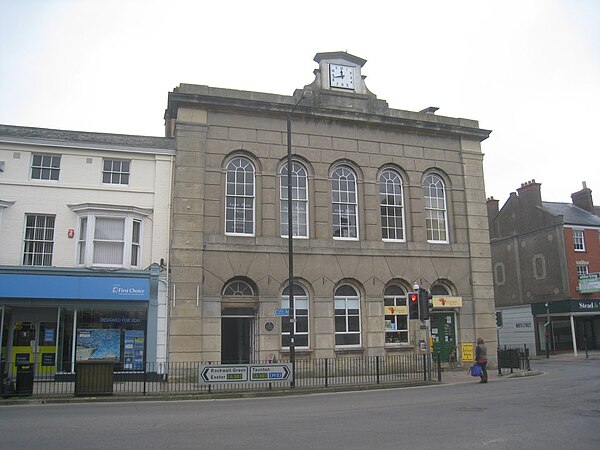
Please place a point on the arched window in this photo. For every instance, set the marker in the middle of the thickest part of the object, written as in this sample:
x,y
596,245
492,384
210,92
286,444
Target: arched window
x,y
439,290
239,207
344,203
396,315
299,201
391,201
238,288
436,214
301,331
347,316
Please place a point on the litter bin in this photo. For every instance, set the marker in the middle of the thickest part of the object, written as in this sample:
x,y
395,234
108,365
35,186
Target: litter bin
x,y
94,378
25,372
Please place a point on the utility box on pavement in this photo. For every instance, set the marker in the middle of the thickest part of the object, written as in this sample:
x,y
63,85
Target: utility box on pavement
x,y
25,373
94,378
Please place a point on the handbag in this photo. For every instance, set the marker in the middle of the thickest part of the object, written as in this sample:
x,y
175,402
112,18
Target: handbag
x,y
475,370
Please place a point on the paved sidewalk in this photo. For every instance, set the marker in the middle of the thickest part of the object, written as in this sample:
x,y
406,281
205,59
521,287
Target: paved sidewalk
x,y
462,375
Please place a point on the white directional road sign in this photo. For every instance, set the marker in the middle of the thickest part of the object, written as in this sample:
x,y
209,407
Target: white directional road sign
x,y
243,373
270,372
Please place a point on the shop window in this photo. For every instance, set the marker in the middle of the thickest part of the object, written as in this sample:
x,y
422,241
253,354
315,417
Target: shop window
x,y
344,203
391,199
347,316
39,240
299,201
240,197
45,167
300,316
436,213
115,171
396,315
113,335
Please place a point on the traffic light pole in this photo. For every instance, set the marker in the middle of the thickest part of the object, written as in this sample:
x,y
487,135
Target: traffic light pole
x,y
426,324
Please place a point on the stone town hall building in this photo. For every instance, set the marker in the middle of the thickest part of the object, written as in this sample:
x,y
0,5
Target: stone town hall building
x,y
382,199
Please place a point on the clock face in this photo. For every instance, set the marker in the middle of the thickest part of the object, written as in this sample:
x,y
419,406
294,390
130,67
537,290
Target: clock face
x,y
341,76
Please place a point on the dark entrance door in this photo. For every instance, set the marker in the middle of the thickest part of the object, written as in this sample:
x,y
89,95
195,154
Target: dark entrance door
x,y
443,332
236,340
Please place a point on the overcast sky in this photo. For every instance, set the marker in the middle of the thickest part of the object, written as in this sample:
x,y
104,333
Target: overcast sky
x,y
529,70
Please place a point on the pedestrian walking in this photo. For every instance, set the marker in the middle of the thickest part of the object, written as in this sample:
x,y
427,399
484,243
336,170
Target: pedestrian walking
x,y
481,359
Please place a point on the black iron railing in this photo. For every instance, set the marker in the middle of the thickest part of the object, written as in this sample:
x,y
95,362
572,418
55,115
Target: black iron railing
x,y
95,378
511,358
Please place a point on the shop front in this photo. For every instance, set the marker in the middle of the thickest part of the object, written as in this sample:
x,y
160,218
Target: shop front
x,y
53,319
444,327
567,325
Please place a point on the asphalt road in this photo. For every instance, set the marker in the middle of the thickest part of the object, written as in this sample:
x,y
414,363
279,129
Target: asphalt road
x,y
557,410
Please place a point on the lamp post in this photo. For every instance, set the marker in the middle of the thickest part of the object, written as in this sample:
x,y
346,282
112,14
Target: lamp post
x,y
292,310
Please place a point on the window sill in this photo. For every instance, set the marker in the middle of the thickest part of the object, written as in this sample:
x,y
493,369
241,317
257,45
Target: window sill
x,y
349,350
398,347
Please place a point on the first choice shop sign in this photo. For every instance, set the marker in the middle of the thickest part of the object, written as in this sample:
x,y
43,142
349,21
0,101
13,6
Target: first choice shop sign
x,y
128,291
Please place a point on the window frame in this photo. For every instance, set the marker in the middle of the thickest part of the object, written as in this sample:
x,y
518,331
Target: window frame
x,y
300,296
338,205
578,240
41,244
296,202
119,173
346,332
52,167
396,301
247,291
385,195
582,269
434,214
133,227
235,196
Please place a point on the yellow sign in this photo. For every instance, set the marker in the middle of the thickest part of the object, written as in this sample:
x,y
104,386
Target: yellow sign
x,y
468,352
447,302
395,310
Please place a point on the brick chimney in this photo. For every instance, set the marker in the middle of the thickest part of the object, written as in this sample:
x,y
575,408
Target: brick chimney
x,y
492,207
531,193
583,198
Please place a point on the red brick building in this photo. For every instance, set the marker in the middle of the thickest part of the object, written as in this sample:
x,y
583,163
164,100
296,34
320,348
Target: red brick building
x,y
546,261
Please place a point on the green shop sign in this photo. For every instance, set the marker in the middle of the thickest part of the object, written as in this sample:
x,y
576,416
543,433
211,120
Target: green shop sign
x,y
589,282
566,306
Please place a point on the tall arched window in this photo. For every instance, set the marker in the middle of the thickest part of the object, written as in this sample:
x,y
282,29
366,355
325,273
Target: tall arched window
x,y
301,331
436,213
299,201
396,315
391,201
347,316
344,203
239,207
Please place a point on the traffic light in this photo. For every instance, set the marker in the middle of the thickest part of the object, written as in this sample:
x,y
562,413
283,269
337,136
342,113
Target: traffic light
x,y
425,303
413,305
499,319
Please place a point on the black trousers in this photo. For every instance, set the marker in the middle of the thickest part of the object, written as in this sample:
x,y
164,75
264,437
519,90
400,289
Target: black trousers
x,y
483,376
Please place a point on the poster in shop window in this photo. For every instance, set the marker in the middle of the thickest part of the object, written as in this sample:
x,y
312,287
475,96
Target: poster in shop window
x,y
97,343
133,350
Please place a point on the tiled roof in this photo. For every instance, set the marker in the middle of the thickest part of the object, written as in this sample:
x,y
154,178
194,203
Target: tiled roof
x,y
84,137
572,215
